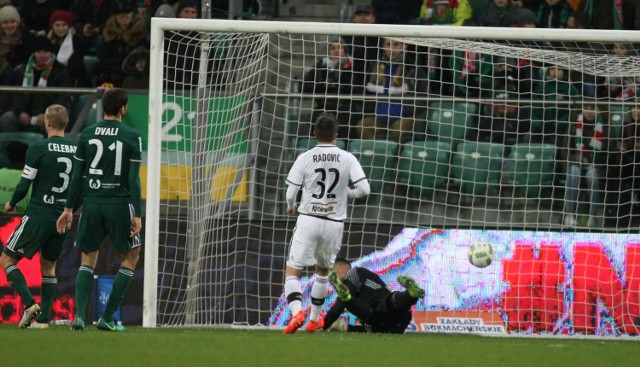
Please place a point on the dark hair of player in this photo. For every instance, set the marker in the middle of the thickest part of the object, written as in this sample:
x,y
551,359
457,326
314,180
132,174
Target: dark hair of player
x,y
113,100
326,126
58,115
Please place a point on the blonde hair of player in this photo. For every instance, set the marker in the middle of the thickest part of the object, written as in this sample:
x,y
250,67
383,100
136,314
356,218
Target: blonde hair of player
x,y
56,118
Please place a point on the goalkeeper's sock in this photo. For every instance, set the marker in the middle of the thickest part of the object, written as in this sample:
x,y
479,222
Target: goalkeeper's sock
x,y
318,294
47,293
84,286
293,292
19,284
120,285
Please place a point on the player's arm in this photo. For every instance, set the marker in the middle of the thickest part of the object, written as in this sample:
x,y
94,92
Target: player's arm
x,y
360,190
21,190
360,182
292,192
334,313
75,186
136,197
134,185
294,180
29,173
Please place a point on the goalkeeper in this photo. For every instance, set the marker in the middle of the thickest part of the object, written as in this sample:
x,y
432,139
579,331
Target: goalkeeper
x,y
366,296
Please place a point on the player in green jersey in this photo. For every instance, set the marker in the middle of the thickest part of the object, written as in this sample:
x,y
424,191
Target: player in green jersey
x,y
106,170
48,171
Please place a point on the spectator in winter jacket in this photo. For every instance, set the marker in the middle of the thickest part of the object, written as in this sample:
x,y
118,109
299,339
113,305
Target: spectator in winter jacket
x,y
41,70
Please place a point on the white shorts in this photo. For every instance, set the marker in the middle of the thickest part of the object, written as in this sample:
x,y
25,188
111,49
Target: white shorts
x,y
315,241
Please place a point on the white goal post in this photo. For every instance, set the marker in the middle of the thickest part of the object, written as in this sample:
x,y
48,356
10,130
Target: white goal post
x,y
490,160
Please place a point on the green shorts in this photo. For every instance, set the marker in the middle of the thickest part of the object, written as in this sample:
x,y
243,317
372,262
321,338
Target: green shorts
x,y
99,220
33,235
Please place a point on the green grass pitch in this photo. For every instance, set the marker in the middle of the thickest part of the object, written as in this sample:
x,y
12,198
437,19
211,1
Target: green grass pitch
x,y
59,346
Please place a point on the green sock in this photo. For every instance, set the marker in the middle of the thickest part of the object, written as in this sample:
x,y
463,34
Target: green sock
x,y
120,286
19,284
47,293
84,286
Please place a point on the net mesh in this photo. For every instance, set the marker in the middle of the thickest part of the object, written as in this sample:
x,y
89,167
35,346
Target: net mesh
x,y
452,133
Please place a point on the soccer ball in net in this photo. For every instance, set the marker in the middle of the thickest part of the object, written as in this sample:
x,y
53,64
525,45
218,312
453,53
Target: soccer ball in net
x,y
481,254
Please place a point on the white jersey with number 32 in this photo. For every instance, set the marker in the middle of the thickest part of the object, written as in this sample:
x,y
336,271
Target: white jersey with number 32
x,y
323,173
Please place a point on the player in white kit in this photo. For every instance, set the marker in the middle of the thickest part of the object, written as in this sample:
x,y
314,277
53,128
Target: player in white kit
x,y
323,173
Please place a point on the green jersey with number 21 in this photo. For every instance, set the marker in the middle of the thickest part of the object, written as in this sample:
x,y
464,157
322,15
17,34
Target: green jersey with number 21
x,y
107,150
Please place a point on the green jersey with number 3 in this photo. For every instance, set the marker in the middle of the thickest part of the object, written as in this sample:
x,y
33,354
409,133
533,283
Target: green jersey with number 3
x,y
107,150
48,165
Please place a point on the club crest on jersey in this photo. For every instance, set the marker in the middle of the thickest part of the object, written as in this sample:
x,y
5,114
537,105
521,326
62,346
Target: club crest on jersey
x,y
323,209
94,184
49,199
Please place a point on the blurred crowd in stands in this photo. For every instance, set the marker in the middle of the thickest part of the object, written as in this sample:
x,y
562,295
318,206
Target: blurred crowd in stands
x,y
91,43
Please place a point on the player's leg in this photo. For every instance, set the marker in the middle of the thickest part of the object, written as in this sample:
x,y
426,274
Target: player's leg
x,y
91,233
300,256
23,243
50,252
47,291
401,302
318,295
19,284
84,287
129,249
411,286
293,294
326,252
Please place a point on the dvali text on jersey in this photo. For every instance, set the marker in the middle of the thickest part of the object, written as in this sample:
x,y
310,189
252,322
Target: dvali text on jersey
x,y
113,131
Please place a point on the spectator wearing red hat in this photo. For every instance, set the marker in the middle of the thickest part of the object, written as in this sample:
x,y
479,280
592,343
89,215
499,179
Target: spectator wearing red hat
x,y
36,15
68,47
41,70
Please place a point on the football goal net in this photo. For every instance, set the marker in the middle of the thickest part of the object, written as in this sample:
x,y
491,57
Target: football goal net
x,y
523,138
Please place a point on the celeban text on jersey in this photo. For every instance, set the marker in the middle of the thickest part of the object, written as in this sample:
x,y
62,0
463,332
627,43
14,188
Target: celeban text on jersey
x,y
62,148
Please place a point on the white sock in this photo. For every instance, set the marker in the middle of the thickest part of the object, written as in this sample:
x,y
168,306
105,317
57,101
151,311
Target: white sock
x,y
292,285
318,292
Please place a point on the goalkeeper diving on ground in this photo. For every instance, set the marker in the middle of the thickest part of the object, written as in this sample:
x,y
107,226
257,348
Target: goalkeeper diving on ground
x,y
365,295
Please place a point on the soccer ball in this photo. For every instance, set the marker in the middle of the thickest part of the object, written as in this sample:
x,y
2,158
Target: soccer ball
x,y
481,254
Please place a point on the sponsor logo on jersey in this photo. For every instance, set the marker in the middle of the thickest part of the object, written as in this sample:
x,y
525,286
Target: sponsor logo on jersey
x,y
323,209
